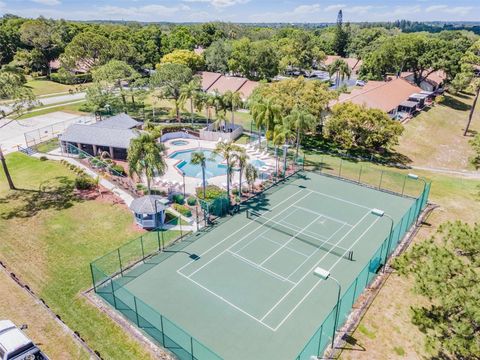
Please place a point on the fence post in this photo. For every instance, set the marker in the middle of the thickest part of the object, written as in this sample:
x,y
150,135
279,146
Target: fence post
x,y
120,261
93,278
404,182
360,173
191,342
320,340
143,251
340,168
163,332
136,310
158,240
381,178
321,162
180,223
113,294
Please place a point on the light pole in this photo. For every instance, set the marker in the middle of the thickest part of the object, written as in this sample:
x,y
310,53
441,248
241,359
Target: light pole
x,y
381,213
325,274
413,177
160,244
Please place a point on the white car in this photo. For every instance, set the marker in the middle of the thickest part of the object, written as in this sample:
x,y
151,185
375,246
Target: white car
x,y
15,345
360,83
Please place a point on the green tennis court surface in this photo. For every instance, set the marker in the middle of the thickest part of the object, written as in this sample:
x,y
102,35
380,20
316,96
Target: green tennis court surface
x,y
247,288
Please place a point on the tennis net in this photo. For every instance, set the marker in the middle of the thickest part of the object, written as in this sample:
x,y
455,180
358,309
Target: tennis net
x,y
309,239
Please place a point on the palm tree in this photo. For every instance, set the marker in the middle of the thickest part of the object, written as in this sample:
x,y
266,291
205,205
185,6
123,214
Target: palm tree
x,y
251,174
5,170
228,150
216,101
265,113
302,121
282,134
190,91
342,70
145,157
242,162
232,101
198,158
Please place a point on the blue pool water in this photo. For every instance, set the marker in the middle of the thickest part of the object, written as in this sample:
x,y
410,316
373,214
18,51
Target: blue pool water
x,y
179,142
214,166
257,163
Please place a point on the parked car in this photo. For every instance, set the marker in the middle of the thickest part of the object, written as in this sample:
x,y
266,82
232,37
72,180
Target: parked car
x,y
15,345
360,83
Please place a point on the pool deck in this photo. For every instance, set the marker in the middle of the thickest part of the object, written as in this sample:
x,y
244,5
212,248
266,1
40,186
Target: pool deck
x,y
191,183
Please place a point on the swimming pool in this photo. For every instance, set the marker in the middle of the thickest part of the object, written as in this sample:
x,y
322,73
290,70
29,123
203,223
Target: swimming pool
x,y
257,163
214,166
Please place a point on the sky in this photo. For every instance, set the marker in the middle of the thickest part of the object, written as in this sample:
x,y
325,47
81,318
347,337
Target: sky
x,y
246,10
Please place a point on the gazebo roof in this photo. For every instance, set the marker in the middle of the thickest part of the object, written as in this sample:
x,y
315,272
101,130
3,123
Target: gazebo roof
x,y
146,204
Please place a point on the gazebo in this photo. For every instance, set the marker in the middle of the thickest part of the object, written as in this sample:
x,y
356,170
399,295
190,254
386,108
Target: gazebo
x,y
149,211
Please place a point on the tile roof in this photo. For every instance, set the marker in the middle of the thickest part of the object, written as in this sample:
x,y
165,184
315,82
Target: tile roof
x,y
437,77
247,88
226,83
208,78
383,95
97,135
353,63
120,121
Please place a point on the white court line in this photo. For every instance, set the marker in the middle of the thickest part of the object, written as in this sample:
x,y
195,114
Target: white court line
x,y
241,228
263,232
228,302
299,266
308,232
339,199
241,239
317,213
319,281
310,271
289,248
260,267
291,239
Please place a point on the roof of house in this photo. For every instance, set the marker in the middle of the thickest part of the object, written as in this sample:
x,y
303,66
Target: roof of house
x,y
208,78
437,77
383,95
120,121
226,83
148,204
81,66
353,63
247,88
97,135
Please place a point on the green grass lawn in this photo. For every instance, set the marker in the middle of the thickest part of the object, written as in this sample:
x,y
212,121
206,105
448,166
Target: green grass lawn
x,y
71,108
49,237
435,138
42,86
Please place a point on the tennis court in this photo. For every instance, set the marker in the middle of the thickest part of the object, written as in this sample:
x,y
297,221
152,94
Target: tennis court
x,y
248,290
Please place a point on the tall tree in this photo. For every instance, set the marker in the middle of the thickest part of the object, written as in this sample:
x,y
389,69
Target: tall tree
x,y
184,57
217,55
467,78
302,121
446,271
228,150
251,173
199,158
170,78
265,113
241,159
340,42
189,92
232,101
13,88
341,69
6,171
145,157
87,49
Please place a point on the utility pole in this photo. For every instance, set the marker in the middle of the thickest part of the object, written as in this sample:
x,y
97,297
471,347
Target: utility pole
x,y
5,169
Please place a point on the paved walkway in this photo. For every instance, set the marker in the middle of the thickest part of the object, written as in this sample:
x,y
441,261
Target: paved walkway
x,y
463,173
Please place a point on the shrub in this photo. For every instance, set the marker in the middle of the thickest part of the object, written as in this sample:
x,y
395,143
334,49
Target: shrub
x,y
211,192
67,78
182,209
178,199
117,169
439,99
192,201
43,158
235,191
83,182
142,187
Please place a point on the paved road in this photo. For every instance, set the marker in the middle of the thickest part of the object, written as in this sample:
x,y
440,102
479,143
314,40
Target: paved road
x,y
52,100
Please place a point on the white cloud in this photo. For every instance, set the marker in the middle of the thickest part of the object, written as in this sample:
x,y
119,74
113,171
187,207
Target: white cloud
x,y
48,2
153,12
360,9
2,4
456,10
220,3
335,7
306,9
